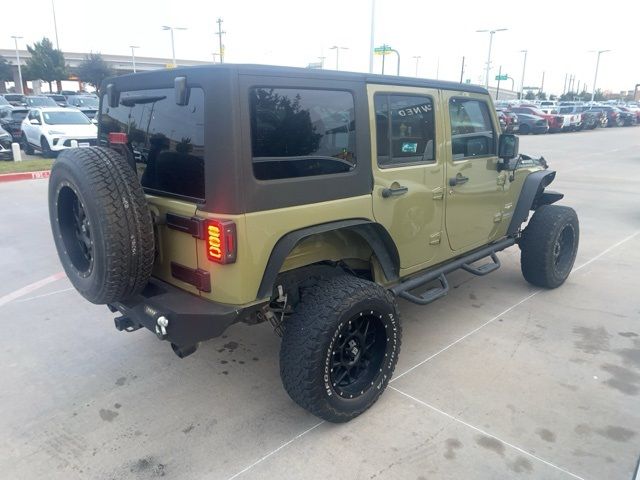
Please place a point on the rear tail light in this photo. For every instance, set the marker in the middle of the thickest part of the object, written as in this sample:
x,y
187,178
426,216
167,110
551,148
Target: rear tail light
x,y
221,239
118,138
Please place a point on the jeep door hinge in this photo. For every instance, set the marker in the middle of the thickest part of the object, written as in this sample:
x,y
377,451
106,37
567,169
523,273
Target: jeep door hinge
x,y
438,193
434,238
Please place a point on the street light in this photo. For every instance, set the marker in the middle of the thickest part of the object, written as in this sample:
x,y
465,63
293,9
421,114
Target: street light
x,y
16,38
55,24
173,47
417,57
595,77
133,56
337,49
372,34
491,33
524,65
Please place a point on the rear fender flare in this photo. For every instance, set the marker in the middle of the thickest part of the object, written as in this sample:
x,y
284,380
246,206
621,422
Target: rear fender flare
x,y
373,233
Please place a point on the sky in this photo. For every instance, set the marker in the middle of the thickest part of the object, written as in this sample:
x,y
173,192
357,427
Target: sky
x,y
560,36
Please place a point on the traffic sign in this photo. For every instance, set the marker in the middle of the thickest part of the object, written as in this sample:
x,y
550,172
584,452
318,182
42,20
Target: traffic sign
x,y
383,50
502,77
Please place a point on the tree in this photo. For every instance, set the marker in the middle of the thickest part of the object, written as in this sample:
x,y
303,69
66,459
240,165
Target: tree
x,y
6,73
93,70
541,96
568,96
530,96
46,63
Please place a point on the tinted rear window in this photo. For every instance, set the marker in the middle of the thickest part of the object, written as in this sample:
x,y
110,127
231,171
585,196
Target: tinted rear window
x,y
301,133
166,140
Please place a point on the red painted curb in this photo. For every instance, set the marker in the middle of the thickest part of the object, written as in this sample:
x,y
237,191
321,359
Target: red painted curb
x,y
12,177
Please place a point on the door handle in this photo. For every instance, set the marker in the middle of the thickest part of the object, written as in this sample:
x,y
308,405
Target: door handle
x,y
394,192
459,179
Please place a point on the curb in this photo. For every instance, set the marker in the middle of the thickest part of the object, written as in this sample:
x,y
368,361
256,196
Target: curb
x,y
12,177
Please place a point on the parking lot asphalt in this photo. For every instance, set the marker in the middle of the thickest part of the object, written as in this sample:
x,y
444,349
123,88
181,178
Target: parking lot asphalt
x,y
497,380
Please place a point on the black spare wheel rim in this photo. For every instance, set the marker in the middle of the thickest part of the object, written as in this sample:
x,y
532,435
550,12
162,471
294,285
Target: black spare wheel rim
x,y
357,354
75,229
563,249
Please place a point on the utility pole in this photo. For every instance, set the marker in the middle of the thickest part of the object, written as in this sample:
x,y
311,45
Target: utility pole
x,y
578,89
220,32
524,66
462,70
437,68
542,84
564,88
499,78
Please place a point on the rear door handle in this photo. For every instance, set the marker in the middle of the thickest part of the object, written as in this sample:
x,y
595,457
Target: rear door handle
x,y
394,192
459,179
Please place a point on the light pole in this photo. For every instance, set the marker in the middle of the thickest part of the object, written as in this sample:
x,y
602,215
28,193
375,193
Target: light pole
x,y
372,37
337,49
15,39
173,47
524,66
55,24
491,33
417,57
595,77
133,56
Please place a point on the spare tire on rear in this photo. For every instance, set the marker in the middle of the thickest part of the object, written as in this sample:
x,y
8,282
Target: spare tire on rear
x,y
101,224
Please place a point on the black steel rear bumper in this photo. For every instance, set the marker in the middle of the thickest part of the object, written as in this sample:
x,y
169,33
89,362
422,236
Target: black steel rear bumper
x,y
189,318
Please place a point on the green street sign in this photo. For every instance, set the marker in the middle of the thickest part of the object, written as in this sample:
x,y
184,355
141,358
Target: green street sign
x,y
502,77
383,50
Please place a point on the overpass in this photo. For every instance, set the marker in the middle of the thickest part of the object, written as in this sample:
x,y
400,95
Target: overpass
x,y
121,64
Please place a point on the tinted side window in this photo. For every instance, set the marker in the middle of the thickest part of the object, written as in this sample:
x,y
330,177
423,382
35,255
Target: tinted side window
x,y
301,133
166,140
472,133
405,130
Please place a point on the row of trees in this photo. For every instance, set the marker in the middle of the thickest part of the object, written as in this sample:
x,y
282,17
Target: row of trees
x,y
47,63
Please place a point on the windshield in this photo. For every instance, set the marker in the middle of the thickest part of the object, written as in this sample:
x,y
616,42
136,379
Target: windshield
x,y
40,102
88,102
14,98
65,118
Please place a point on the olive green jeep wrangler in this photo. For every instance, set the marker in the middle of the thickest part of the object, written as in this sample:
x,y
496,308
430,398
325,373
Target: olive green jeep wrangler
x,y
307,199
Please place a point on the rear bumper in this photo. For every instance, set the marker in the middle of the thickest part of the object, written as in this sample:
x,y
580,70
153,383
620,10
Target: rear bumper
x,y
190,318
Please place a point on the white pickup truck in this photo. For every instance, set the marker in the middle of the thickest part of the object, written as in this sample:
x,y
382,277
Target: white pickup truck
x,y
572,121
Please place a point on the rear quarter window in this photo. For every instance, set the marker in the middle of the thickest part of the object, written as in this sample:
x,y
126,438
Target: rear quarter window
x,y
165,139
301,132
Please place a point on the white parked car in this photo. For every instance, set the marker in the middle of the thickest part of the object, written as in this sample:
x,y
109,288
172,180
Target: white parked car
x,y
51,130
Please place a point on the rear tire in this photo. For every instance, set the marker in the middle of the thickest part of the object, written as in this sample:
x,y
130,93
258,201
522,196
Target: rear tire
x,y
549,245
340,347
101,224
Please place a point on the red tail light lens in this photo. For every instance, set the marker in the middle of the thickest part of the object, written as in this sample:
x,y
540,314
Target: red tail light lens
x,y
118,138
222,245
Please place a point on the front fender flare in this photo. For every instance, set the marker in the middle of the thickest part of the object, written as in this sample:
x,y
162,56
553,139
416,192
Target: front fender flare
x,y
532,189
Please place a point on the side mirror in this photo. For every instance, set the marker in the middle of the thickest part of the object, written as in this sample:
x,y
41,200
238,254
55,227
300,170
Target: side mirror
x,y
34,121
181,91
94,121
508,146
113,96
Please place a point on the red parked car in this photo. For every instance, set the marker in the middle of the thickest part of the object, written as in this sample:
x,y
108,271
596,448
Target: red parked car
x,y
556,122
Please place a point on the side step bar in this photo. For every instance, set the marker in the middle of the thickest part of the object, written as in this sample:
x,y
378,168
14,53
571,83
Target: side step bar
x,y
404,289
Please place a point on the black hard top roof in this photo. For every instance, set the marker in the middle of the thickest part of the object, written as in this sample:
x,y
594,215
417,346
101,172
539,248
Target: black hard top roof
x,y
269,70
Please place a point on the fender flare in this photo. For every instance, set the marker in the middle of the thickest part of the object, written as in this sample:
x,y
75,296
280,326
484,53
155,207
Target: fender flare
x,y
373,233
532,195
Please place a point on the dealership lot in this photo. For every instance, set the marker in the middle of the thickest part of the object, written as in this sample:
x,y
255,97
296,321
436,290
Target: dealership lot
x,y
497,380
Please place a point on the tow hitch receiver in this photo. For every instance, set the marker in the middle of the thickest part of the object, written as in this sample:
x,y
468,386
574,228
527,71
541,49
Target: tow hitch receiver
x,y
125,324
